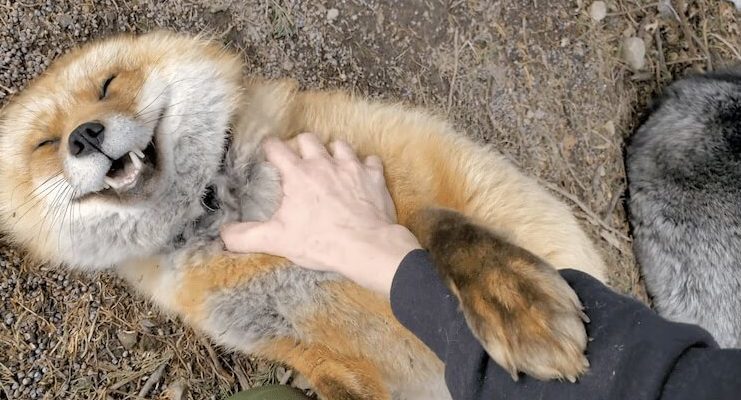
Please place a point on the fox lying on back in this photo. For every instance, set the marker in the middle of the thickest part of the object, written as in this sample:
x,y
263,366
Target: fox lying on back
x,y
129,153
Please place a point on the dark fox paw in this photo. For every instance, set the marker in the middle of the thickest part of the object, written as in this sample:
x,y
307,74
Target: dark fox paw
x,y
526,316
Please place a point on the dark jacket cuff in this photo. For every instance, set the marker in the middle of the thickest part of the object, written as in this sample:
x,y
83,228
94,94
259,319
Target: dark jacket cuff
x,y
423,304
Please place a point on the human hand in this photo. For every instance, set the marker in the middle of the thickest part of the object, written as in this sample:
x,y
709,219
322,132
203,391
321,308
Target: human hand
x,y
336,215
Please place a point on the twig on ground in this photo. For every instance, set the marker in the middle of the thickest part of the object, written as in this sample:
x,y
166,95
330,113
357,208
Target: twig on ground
x,y
286,376
730,46
592,216
244,380
216,364
7,89
613,202
686,29
571,170
631,11
153,379
705,46
662,60
456,51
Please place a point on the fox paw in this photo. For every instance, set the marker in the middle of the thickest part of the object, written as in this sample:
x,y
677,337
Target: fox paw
x,y
525,315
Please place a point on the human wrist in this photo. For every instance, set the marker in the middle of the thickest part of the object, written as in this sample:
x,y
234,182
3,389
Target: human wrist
x,y
378,255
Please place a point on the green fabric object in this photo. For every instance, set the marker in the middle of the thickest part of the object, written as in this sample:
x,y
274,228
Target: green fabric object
x,y
270,392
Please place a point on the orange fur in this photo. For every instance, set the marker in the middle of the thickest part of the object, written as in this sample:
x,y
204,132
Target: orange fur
x,y
335,375
341,332
224,272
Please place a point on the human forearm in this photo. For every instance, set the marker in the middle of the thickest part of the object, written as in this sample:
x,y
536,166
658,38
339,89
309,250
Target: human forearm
x,y
633,352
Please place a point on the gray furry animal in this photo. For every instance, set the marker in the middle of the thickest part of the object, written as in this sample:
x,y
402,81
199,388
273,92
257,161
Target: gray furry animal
x,y
684,173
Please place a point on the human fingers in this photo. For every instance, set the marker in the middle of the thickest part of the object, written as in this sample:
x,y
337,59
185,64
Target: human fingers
x,y
310,147
342,151
374,162
250,237
279,154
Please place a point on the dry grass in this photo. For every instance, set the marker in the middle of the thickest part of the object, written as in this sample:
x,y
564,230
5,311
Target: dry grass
x,y
537,78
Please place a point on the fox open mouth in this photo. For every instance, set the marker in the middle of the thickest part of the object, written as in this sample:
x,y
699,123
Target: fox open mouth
x,y
125,172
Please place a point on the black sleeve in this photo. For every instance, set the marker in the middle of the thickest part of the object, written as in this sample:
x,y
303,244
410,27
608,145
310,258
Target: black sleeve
x,y
634,354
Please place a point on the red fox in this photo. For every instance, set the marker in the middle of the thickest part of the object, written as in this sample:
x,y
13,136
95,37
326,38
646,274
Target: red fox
x,y
129,153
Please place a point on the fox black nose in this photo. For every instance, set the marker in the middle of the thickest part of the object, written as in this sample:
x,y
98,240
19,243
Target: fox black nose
x,y
86,138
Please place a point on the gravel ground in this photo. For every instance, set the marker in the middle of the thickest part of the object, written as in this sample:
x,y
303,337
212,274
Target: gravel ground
x,y
557,85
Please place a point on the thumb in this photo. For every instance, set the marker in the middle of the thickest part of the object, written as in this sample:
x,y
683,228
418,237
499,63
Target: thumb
x,y
247,237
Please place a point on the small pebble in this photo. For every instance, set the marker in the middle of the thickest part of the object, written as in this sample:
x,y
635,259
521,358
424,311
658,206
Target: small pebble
x,y
332,14
64,20
666,10
598,10
634,52
216,6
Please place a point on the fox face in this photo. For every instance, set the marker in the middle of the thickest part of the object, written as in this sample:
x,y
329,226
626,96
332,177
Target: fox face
x,y
107,154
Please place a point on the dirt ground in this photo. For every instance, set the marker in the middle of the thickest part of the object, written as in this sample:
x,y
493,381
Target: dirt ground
x,y
541,79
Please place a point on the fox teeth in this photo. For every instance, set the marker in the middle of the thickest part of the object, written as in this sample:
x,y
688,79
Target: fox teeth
x,y
135,160
111,182
138,153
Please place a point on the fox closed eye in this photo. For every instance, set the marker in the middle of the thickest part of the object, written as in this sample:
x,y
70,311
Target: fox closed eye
x,y
47,142
106,84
